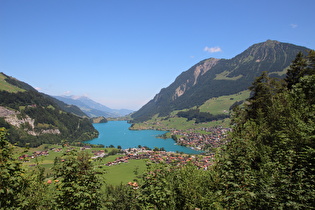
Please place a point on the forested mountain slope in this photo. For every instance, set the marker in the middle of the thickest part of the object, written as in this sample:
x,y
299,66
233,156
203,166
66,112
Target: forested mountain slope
x,y
216,77
35,118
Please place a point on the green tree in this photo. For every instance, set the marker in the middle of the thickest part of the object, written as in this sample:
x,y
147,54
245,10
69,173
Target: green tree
x,y
157,191
311,63
177,187
269,161
12,177
296,70
122,197
264,93
39,194
79,185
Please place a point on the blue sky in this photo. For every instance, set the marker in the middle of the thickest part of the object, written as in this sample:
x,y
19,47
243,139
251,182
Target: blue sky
x,y
122,52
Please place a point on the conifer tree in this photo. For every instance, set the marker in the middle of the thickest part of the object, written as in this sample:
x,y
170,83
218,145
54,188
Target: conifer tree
x,y
311,63
270,160
296,70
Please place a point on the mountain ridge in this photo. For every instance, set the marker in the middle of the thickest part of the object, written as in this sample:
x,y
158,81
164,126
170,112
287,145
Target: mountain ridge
x,y
220,77
92,108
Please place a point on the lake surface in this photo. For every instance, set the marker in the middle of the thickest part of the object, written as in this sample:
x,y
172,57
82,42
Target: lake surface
x,y
118,133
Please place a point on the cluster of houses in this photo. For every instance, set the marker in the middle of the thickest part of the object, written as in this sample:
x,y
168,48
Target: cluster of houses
x,y
99,154
26,157
214,137
145,154
202,162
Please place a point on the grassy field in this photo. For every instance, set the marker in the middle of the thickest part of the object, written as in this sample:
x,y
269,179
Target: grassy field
x,y
124,172
223,76
221,105
116,174
8,87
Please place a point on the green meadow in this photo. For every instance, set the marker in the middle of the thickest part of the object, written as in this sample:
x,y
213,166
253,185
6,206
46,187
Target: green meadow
x,y
222,104
178,123
114,175
124,172
8,87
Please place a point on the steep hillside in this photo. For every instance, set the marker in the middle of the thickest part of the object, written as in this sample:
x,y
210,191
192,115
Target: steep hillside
x,y
34,118
11,84
92,108
216,77
6,86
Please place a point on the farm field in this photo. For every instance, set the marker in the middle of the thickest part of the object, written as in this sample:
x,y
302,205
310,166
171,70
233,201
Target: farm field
x,y
222,104
124,172
114,175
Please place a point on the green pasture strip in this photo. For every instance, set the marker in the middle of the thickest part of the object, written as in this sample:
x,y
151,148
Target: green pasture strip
x,y
226,123
183,124
224,76
110,158
176,122
279,73
7,86
124,172
221,105
180,124
161,123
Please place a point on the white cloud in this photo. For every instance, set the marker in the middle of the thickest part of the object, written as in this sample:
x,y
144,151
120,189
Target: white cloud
x,y
294,25
68,92
212,49
38,88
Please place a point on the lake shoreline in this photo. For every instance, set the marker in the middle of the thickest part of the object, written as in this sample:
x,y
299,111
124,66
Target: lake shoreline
x,y
117,133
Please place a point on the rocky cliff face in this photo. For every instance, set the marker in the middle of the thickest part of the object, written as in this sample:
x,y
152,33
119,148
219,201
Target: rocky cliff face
x,y
28,124
216,77
197,72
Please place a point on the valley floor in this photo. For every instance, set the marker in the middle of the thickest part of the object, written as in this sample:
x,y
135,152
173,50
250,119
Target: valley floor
x,y
121,168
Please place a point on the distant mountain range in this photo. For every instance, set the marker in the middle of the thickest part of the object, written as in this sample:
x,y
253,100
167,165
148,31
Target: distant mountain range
x,y
92,108
217,77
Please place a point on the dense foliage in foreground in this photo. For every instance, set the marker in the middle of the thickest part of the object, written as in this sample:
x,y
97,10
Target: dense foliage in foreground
x,y
269,162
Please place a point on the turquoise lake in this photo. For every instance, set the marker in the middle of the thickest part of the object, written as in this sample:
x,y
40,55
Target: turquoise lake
x,y
118,133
